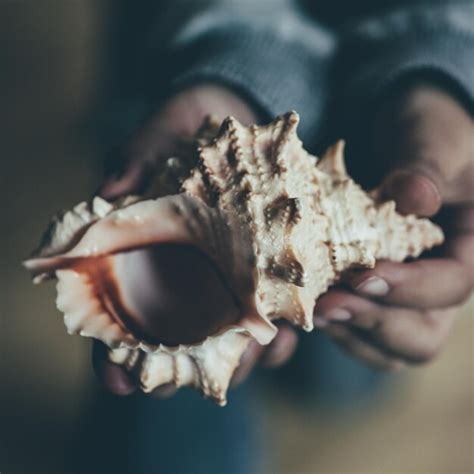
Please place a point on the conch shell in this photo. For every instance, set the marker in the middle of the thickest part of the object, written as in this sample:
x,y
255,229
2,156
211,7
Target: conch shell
x,y
280,225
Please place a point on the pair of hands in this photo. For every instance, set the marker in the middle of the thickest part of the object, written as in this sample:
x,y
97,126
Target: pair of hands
x,y
389,316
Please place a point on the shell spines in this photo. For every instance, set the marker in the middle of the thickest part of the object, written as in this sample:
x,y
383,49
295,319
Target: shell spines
x,y
279,225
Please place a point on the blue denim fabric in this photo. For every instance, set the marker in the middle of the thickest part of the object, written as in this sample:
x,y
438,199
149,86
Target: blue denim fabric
x,y
320,373
187,435
181,435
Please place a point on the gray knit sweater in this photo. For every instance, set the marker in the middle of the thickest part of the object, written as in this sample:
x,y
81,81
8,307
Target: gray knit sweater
x,y
284,54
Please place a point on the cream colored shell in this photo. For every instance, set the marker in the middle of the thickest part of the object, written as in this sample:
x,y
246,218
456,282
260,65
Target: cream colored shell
x,y
280,225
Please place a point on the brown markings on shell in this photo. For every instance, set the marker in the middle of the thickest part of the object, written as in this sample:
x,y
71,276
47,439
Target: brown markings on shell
x,y
283,208
288,123
288,269
103,285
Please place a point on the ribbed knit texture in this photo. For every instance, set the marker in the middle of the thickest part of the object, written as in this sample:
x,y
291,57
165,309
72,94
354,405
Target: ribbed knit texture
x,y
277,58
277,76
378,53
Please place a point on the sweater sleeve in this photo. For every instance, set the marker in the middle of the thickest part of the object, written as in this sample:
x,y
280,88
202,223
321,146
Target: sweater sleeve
x,y
267,51
432,39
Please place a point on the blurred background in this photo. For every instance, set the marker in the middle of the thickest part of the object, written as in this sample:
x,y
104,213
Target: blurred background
x,y
61,66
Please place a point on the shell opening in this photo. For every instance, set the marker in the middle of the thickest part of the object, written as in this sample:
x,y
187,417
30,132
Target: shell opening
x,y
166,293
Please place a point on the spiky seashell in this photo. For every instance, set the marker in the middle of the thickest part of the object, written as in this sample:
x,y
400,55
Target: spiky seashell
x,y
280,226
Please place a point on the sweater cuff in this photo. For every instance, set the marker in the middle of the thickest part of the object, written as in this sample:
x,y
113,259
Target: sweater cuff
x,y
372,70
445,58
273,74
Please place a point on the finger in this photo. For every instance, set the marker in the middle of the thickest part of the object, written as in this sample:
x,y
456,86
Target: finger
x,y
281,348
165,391
247,363
332,307
113,377
462,248
414,193
339,305
427,137
456,219
423,283
413,335
134,180
353,344
458,223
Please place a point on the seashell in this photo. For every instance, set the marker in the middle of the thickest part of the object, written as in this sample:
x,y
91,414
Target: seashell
x,y
279,226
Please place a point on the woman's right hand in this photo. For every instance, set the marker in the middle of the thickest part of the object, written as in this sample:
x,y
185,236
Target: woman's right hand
x,y
164,135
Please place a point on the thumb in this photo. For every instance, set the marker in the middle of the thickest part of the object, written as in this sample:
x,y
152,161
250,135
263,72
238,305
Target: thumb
x,y
426,136
413,191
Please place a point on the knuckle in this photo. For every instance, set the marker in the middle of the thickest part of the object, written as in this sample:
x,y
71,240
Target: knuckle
x,y
464,296
427,352
370,320
387,333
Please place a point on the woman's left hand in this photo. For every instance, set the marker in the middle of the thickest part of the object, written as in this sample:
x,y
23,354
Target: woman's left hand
x,y
402,313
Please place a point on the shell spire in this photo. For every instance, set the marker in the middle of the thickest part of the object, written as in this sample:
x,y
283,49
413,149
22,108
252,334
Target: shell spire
x,y
279,225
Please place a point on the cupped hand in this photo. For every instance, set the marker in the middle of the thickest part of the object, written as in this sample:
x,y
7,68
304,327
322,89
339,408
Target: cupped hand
x,y
130,170
402,313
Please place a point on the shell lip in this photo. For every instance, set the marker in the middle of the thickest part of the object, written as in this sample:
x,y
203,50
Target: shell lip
x,y
154,348
43,266
86,246
159,231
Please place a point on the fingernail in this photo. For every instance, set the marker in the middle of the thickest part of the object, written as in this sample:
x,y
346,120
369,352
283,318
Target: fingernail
x,y
320,322
374,286
165,391
338,314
